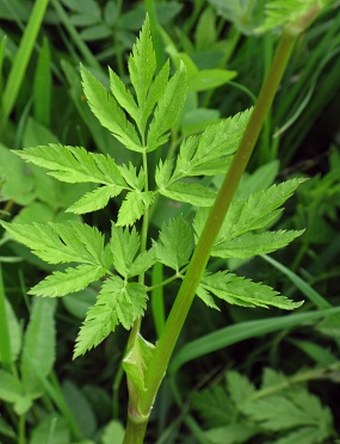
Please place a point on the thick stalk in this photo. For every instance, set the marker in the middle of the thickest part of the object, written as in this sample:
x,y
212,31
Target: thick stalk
x,y
135,431
136,425
180,309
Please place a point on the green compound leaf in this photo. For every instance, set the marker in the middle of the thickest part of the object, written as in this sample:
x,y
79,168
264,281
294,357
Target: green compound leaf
x,y
211,152
255,212
287,411
74,164
281,408
61,283
250,244
134,206
118,302
124,246
258,210
142,63
108,112
237,290
60,243
95,200
168,110
192,193
175,243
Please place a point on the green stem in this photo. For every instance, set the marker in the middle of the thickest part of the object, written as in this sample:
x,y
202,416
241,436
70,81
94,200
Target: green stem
x,y
184,299
136,426
22,428
135,431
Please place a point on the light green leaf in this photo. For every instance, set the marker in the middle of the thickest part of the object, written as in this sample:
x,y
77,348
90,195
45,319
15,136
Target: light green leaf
x,y
211,152
135,364
175,243
118,302
254,212
13,173
237,290
168,110
113,433
163,173
206,79
250,244
142,63
95,200
142,263
133,179
74,164
57,243
156,91
61,283
10,387
134,206
193,193
108,112
124,246
123,95
258,210
38,353
207,298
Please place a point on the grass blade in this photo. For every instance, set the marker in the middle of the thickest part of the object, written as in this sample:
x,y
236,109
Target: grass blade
x,y
316,298
239,332
42,86
22,58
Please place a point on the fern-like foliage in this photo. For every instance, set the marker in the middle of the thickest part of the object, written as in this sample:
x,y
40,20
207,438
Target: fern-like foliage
x,y
278,411
141,118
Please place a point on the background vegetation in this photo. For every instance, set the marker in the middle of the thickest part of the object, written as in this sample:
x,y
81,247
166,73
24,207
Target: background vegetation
x,y
285,366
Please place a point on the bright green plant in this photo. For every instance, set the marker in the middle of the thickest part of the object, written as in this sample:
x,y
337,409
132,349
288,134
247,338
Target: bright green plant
x,y
141,121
